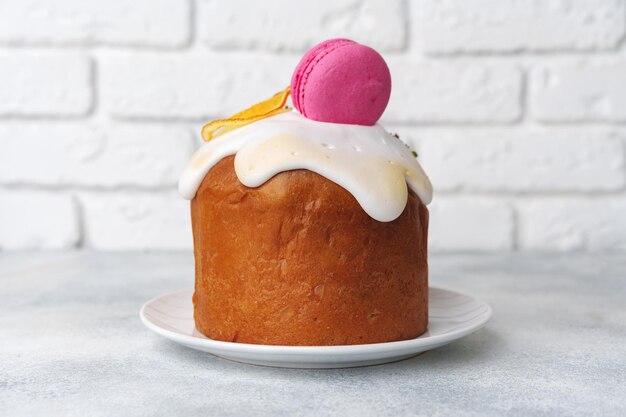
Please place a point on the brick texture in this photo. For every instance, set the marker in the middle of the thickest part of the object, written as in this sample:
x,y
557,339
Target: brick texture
x,y
580,91
189,87
148,23
522,161
37,220
66,154
460,26
517,109
44,84
136,220
573,224
453,92
469,224
295,26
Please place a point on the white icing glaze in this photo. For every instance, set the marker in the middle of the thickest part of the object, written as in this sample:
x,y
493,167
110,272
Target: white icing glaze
x,y
372,165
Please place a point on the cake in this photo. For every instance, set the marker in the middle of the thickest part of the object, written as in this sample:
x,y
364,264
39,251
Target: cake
x,y
310,224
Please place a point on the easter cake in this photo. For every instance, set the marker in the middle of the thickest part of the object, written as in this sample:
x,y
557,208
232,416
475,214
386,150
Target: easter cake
x,y
310,225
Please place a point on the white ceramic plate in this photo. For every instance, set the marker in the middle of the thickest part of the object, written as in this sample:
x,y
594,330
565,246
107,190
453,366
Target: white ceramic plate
x,y
451,316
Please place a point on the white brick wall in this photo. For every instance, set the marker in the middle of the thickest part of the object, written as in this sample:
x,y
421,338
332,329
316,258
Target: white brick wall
x,y
195,85
144,23
462,26
453,92
289,25
71,154
522,161
517,109
470,224
573,224
53,84
136,220
580,91
37,220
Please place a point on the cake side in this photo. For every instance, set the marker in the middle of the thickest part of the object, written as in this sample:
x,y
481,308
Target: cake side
x,y
296,261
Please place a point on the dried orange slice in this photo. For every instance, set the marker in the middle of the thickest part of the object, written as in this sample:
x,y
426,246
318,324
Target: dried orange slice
x,y
270,107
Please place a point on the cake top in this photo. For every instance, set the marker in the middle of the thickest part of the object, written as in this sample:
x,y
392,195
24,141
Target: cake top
x,y
340,89
373,165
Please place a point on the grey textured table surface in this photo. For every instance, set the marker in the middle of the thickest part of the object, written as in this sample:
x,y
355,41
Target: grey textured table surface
x,y
71,344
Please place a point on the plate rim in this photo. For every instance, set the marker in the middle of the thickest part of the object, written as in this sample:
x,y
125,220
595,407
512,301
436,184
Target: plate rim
x,y
324,350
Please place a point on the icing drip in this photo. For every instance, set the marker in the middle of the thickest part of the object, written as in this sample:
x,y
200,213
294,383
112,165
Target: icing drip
x,y
365,160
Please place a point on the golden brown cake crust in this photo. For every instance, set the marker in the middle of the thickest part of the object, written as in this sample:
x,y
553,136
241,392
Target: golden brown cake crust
x,y
297,261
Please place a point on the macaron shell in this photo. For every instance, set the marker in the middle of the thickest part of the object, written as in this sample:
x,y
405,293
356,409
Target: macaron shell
x,y
341,81
306,64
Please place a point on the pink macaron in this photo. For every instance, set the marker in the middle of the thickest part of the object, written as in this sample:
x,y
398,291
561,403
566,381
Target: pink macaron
x,y
341,81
